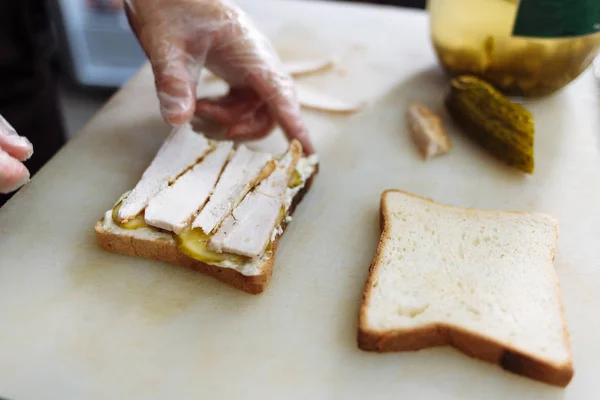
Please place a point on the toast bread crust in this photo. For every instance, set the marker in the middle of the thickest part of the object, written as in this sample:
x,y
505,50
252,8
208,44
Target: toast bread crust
x,y
442,334
167,251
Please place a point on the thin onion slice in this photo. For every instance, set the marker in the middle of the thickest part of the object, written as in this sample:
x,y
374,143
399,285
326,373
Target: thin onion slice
x,y
294,68
311,99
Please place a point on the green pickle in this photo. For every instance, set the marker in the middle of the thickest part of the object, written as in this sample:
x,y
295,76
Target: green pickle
x,y
135,223
531,71
295,180
194,243
501,127
281,216
280,219
475,37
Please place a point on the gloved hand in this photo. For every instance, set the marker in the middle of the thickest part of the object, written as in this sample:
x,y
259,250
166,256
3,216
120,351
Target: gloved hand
x,y
180,37
13,150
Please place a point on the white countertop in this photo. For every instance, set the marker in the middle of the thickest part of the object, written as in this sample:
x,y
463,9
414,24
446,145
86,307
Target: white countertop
x,y
79,323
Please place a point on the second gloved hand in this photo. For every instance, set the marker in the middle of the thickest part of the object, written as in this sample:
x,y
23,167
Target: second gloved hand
x,y
180,37
13,150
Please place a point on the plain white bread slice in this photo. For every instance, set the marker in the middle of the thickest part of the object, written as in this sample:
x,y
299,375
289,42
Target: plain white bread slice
x,y
249,228
239,176
483,281
181,150
174,207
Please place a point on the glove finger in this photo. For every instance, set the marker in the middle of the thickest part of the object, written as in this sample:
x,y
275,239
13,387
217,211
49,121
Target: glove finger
x,y
13,173
174,70
15,145
223,114
279,93
259,125
175,86
245,56
237,105
169,64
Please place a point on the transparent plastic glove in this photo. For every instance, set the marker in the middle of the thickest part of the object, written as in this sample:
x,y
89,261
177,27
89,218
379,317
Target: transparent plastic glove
x,y
13,150
180,37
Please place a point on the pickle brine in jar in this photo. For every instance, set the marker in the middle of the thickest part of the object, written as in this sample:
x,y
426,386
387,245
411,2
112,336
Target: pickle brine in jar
x,y
524,48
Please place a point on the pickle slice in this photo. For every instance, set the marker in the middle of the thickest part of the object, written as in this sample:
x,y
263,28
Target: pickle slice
x,y
281,217
135,223
194,243
295,180
502,128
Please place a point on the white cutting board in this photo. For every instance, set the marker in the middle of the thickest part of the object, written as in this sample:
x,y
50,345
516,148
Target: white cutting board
x,y
79,323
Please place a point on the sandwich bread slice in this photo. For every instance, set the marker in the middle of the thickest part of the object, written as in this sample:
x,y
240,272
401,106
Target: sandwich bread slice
x,y
206,205
482,281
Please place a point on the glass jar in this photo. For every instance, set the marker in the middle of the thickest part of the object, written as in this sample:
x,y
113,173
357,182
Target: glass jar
x,y
521,48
